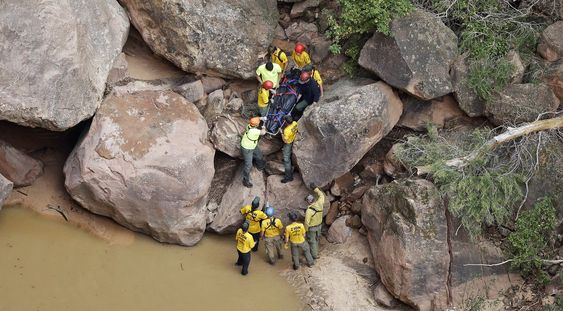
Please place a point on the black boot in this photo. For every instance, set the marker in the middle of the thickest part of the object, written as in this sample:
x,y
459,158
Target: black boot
x,y
287,178
247,183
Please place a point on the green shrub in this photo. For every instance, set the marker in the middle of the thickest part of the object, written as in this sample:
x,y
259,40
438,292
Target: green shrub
x,y
358,18
483,192
530,240
487,31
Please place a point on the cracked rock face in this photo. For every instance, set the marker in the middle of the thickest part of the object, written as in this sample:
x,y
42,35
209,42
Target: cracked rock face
x,y
338,131
220,37
55,57
416,57
145,162
5,189
407,232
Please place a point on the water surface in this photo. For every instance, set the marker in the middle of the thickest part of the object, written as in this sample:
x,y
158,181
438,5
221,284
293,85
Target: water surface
x,y
49,265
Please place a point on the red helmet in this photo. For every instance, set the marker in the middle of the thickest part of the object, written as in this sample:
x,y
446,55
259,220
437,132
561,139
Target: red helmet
x,y
304,76
299,48
268,85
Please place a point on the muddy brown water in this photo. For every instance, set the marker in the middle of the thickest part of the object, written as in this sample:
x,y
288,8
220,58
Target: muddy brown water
x,y
51,265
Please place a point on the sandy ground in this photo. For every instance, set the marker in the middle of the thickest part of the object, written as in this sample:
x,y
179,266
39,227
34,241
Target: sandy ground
x,y
342,279
47,195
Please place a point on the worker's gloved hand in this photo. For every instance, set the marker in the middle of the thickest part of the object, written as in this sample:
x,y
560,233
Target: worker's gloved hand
x,y
313,103
273,91
264,118
312,186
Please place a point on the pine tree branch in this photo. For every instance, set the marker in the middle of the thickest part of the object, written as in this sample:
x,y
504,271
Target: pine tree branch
x,y
510,135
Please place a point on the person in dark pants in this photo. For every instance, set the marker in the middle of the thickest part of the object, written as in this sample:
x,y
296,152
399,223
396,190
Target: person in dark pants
x,y
288,136
245,243
310,93
254,217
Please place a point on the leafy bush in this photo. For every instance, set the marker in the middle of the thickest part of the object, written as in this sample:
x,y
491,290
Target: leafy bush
x,y
530,240
357,18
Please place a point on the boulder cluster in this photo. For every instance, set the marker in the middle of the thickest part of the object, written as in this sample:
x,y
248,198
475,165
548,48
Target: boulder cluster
x,y
162,156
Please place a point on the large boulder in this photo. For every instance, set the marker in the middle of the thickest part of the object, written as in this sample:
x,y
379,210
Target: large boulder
x,y
553,76
17,166
146,163
222,37
55,57
469,101
5,189
550,46
433,263
339,130
287,197
338,231
227,132
227,217
419,114
416,57
519,103
407,232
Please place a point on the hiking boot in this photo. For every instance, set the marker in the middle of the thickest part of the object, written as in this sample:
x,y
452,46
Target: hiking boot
x,y
247,184
286,179
295,267
238,264
310,265
280,256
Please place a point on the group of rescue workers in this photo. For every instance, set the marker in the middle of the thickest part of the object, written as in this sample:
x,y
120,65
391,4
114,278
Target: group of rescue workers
x,y
301,237
310,90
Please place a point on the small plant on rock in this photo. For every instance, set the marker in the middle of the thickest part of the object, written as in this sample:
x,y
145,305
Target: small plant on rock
x,y
529,242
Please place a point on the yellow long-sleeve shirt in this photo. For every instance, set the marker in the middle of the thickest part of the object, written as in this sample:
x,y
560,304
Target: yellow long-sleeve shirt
x,y
314,213
279,57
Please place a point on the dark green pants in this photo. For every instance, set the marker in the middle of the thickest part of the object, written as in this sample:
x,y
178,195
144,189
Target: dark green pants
x,y
313,237
286,151
295,253
250,155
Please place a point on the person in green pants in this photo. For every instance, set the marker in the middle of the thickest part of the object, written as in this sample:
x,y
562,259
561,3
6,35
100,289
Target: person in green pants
x,y
314,219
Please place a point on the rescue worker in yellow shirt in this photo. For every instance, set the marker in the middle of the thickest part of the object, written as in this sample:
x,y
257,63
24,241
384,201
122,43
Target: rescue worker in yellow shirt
x,y
300,56
245,243
264,97
315,74
271,233
254,217
314,219
288,136
269,72
295,235
277,56
250,150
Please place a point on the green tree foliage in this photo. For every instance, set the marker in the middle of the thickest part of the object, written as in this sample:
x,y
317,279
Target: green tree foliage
x,y
487,31
357,18
483,192
530,241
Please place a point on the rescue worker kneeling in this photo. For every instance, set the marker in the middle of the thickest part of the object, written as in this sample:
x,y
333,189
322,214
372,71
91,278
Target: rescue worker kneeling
x,y
271,233
295,235
245,243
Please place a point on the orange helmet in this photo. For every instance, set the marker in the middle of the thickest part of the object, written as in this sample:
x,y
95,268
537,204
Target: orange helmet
x,y
304,76
299,48
254,121
268,85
